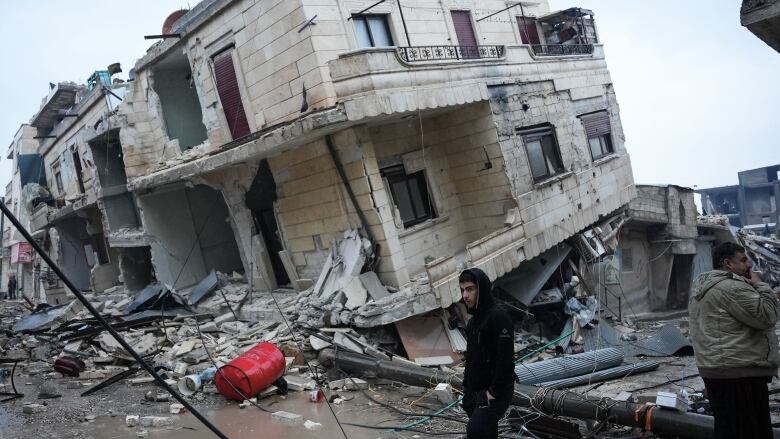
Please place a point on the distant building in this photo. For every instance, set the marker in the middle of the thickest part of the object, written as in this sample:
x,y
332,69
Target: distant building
x,y
751,204
762,17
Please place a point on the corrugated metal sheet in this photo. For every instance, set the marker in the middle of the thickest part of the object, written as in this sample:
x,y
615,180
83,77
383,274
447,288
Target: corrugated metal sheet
x,y
569,366
665,342
603,375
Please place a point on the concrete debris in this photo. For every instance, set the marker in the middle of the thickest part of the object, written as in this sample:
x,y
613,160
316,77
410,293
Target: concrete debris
x,y
157,421
31,409
311,425
443,393
132,420
348,384
176,409
286,417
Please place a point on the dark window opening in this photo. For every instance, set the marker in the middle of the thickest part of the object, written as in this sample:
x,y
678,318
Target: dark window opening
x,y
58,178
229,94
260,199
410,195
173,82
372,30
598,131
101,249
79,171
544,157
626,260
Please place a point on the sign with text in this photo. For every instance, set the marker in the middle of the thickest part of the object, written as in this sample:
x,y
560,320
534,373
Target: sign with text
x,y
21,253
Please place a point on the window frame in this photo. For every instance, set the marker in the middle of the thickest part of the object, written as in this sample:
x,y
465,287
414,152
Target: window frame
x,y
606,145
364,18
397,174
538,132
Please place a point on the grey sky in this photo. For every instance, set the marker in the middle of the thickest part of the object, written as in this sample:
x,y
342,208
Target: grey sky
x,y
699,94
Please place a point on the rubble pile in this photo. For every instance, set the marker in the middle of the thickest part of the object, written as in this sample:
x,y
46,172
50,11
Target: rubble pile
x,y
765,253
347,294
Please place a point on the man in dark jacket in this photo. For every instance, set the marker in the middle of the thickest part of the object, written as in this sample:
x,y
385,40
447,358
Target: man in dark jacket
x,y
488,382
12,287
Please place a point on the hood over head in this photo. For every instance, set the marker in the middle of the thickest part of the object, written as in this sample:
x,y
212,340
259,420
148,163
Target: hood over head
x,y
485,290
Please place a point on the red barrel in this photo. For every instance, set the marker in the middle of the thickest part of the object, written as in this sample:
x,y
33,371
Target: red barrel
x,y
251,372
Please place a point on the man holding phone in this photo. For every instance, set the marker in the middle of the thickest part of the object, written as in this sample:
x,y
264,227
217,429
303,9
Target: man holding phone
x,y
732,329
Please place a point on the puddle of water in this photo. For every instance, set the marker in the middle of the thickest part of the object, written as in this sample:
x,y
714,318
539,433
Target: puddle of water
x,y
253,423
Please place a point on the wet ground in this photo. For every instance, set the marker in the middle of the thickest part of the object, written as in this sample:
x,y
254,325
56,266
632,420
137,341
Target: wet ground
x,y
102,415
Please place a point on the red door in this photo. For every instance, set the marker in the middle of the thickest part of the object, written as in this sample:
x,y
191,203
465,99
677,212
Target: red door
x,y
465,34
528,31
229,95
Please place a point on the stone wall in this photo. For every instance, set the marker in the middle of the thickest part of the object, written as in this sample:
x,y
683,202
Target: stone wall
x,y
557,208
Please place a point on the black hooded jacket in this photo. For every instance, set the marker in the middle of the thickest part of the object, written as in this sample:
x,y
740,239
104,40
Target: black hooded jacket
x,y
490,350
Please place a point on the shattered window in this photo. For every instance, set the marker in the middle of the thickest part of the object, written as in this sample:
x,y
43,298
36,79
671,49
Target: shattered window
x,y
410,195
544,158
372,30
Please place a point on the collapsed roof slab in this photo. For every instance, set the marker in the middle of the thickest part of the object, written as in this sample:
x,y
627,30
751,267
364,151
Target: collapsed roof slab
x,y
62,97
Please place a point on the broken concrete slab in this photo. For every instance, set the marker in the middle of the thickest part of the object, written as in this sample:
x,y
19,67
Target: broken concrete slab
x,y
373,285
48,317
157,421
31,409
443,393
176,409
318,344
348,384
356,294
442,360
132,420
311,425
345,342
286,417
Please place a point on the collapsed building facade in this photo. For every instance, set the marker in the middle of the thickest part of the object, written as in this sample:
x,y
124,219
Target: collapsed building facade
x,y
752,204
465,134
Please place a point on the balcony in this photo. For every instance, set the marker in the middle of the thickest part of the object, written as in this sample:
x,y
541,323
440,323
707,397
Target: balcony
x,y
562,49
399,80
41,216
444,53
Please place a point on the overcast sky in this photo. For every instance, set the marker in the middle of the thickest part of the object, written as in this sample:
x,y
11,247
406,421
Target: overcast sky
x,y
699,94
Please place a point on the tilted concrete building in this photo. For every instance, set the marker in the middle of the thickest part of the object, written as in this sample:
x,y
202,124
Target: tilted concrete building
x,y
454,133
465,137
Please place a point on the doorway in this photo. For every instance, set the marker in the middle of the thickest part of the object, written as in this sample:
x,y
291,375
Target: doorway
x,y
260,199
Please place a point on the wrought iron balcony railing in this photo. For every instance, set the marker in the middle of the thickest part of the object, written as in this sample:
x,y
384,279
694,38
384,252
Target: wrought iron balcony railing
x,y
562,49
441,53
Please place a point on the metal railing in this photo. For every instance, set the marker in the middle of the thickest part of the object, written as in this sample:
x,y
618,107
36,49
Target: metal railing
x,y
562,49
442,53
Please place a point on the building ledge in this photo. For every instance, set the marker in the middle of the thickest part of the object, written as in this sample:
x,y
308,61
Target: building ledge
x,y
422,226
552,180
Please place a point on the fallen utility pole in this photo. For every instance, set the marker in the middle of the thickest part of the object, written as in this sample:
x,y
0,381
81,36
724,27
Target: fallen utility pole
x,y
552,402
129,349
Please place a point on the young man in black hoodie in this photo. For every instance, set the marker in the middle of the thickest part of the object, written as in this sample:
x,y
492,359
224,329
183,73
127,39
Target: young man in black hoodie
x,y
488,382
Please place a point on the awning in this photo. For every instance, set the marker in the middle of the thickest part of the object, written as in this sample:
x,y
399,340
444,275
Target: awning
x,y
527,280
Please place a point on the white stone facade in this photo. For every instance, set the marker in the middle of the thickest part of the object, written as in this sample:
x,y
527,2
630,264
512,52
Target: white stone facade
x,y
304,83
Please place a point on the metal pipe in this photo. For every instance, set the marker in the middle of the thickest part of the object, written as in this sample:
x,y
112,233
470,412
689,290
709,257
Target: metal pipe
x,y
364,10
350,192
129,349
550,401
403,21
